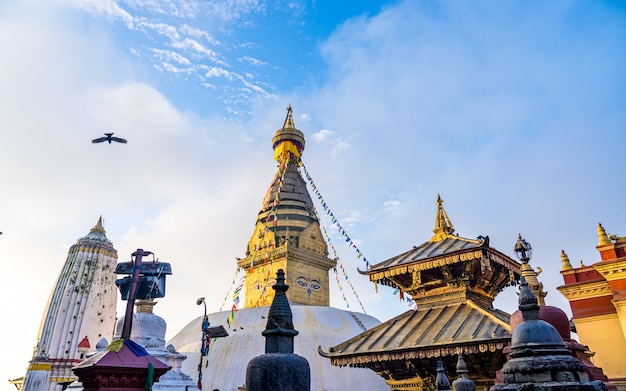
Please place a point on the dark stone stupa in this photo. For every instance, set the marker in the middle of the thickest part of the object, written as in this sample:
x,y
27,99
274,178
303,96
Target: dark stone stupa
x,y
279,369
539,359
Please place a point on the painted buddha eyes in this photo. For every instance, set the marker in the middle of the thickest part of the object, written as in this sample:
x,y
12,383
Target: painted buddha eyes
x,y
305,283
260,285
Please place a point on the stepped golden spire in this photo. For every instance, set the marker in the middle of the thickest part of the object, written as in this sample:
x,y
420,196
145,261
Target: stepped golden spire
x,y
565,264
603,238
287,233
443,225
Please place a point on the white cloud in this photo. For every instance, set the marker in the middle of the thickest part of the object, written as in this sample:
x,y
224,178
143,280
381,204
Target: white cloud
x,y
323,135
252,61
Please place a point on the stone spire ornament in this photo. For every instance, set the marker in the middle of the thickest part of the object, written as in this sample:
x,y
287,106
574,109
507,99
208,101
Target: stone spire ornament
x,y
279,369
463,383
539,359
441,382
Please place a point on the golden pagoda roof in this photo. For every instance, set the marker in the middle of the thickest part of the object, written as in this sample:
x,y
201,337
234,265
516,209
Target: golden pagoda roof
x,y
447,263
429,251
427,333
442,244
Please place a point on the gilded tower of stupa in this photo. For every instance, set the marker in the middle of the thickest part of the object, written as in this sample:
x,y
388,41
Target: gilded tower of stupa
x,y
287,234
80,311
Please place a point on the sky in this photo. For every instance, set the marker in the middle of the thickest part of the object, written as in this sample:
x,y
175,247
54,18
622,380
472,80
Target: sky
x,y
512,111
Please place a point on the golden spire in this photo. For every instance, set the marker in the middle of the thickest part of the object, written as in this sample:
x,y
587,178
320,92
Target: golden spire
x,y
99,227
443,225
289,124
565,264
603,238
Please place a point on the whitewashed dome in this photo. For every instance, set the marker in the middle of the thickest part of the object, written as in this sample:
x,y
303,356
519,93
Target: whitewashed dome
x,y
317,326
148,329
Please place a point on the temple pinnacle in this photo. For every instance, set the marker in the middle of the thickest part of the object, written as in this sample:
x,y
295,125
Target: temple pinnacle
x,y
289,124
288,141
603,238
443,225
99,227
565,263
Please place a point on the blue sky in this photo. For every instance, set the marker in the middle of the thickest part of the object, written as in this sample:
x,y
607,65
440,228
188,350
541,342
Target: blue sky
x,y
512,111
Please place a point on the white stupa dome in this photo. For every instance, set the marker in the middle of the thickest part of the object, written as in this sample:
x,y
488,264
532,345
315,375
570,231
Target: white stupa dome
x,y
317,326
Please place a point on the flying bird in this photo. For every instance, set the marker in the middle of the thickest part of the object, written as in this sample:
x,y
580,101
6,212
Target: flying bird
x,y
109,137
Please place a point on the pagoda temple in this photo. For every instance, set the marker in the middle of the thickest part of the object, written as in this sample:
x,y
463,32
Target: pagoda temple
x,y
453,281
287,236
597,297
80,312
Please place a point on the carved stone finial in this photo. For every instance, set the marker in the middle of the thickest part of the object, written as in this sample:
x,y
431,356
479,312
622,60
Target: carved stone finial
x,y
441,383
279,332
528,302
463,383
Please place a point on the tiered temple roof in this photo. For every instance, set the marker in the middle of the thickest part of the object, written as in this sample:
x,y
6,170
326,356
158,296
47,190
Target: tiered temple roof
x,y
453,281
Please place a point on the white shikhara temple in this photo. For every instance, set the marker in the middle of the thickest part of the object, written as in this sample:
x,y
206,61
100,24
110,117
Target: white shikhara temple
x,y
80,312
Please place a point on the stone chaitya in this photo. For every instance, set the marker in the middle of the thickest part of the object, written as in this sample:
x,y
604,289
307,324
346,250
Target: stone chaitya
x,y
279,369
539,359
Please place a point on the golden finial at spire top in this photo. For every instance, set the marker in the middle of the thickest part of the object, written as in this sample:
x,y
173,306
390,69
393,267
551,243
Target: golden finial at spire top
x,y
603,238
289,124
443,225
99,227
565,264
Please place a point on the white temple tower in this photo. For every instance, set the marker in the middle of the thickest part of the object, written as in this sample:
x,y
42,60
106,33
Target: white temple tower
x,y
81,306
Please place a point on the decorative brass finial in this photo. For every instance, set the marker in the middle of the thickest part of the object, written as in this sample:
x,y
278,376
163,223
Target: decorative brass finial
x,y
565,264
99,227
523,250
289,124
443,225
603,238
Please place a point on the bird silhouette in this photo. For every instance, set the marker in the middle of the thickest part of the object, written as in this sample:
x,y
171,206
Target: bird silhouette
x,y
109,137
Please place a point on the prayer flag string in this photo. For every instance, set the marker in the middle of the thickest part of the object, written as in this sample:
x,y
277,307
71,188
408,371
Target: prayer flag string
x,y
343,270
332,216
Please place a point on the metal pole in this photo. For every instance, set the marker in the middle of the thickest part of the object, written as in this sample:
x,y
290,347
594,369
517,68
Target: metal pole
x,y
128,318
